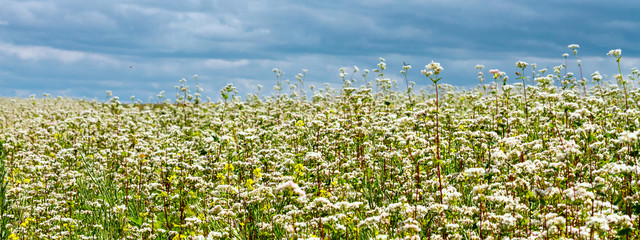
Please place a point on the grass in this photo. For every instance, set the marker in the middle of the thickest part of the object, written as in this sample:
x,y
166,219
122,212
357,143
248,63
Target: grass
x,y
546,157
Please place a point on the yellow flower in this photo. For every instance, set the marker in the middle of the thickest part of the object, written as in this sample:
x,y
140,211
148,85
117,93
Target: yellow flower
x,y
25,223
257,172
324,193
220,176
298,169
249,183
171,178
13,237
229,167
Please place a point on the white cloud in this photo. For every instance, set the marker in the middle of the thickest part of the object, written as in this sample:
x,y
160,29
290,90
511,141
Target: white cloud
x,y
241,41
622,25
132,10
225,64
38,53
28,12
111,83
22,93
91,19
213,26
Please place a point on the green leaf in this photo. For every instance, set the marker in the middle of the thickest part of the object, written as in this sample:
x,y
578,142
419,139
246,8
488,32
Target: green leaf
x,y
597,187
136,220
617,200
489,177
530,194
624,232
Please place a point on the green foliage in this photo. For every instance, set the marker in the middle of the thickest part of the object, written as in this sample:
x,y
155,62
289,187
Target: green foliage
x,y
361,162
4,203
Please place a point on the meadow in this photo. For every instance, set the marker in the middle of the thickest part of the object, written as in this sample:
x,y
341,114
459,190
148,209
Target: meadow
x,y
545,154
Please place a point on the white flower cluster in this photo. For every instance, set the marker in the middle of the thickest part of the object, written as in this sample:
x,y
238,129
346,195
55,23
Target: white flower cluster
x,y
522,161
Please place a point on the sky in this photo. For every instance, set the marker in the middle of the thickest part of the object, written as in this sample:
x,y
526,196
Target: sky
x,y
81,49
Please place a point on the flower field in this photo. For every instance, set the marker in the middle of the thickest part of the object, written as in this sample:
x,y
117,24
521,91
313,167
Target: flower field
x,y
538,156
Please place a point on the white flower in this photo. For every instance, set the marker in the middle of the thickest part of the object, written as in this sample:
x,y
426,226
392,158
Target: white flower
x,y
289,228
475,171
618,77
596,76
521,64
412,227
628,137
313,156
290,185
426,73
435,67
573,46
452,226
615,52
320,203
191,221
382,65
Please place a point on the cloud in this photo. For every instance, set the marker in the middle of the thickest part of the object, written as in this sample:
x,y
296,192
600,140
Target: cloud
x,y
38,53
29,12
203,25
224,64
89,19
88,46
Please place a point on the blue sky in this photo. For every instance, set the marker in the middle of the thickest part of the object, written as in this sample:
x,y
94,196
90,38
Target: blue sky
x,y
82,48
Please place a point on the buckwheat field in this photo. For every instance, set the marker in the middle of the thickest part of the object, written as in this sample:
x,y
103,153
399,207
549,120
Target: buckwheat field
x,y
542,154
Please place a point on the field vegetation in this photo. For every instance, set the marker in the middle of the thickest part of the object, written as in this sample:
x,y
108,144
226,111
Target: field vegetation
x,y
541,155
